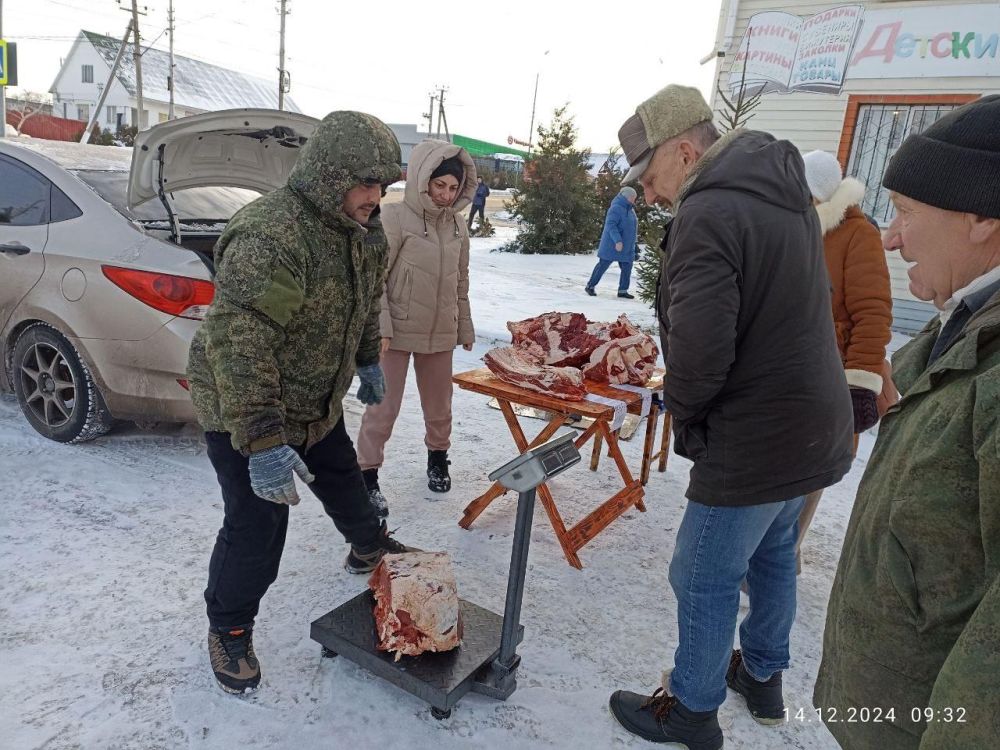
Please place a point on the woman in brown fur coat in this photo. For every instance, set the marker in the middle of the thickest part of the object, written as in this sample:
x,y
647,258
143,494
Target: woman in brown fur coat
x,y
860,291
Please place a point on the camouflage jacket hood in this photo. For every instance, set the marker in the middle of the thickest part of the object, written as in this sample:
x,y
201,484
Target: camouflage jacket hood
x,y
297,296
347,148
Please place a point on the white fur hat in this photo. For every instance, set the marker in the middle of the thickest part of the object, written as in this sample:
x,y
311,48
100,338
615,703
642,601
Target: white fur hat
x,y
822,174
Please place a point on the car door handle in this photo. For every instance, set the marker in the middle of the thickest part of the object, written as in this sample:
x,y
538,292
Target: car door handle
x,y
14,248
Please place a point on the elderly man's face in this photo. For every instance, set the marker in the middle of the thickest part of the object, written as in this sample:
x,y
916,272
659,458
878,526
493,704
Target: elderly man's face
x,y
947,250
361,200
672,162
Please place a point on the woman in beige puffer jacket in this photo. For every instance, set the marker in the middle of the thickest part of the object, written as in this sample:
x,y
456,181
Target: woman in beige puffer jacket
x,y
425,308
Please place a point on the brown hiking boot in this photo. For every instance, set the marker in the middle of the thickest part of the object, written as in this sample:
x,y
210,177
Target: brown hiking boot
x,y
365,559
233,661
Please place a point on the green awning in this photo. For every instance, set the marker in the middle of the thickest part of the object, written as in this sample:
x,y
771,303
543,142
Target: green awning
x,y
485,148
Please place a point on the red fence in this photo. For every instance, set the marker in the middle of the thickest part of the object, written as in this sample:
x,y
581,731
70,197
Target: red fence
x,y
48,127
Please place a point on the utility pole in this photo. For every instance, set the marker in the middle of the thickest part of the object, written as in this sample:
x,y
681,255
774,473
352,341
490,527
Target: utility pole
x,y
534,100
281,57
440,113
137,57
107,87
444,118
170,75
3,89
428,115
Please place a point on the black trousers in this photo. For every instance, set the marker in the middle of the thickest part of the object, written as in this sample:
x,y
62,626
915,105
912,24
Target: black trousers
x,y
248,548
472,213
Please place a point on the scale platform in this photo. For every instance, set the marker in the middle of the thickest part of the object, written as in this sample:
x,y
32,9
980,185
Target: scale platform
x,y
440,679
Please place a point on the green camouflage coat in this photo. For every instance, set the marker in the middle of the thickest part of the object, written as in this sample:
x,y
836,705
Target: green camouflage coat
x,y
297,292
914,615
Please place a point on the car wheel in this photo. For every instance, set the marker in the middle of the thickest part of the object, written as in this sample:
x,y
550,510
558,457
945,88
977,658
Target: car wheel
x,y
54,388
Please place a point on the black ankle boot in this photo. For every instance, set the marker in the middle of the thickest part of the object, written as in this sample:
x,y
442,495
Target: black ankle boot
x,y
662,718
764,700
438,478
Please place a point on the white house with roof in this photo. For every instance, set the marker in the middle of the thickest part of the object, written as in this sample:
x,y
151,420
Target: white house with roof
x,y
198,86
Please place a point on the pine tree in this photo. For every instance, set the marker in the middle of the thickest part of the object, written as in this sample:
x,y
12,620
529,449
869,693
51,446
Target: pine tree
x,y
556,207
739,106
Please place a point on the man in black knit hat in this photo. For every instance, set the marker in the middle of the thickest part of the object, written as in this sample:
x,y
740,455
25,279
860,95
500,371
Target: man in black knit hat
x,y
911,653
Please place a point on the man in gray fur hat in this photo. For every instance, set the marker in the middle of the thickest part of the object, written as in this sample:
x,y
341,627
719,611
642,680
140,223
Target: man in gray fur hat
x,y
758,396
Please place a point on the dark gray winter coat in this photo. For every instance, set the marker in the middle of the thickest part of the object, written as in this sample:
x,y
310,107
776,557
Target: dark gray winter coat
x,y
754,378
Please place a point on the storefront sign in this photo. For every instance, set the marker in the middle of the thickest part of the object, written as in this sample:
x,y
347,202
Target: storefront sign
x,y
947,41
781,52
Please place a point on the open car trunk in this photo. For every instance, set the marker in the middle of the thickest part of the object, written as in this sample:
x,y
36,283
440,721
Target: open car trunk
x,y
246,149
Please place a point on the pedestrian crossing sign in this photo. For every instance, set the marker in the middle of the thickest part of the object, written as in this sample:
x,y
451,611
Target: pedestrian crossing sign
x,y
8,63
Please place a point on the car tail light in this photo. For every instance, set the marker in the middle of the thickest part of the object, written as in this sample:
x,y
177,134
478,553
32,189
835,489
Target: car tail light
x,y
184,384
175,295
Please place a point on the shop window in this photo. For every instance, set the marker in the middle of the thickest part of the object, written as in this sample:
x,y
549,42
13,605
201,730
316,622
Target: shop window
x,y
875,128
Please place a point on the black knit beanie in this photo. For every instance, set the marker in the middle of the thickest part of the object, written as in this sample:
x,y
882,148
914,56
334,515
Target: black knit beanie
x,y
452,166
955,163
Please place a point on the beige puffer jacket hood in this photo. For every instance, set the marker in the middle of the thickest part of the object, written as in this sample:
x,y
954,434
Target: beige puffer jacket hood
x,y
425,308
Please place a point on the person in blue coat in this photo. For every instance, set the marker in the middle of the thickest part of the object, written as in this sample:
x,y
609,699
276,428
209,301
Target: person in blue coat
x,y
617,242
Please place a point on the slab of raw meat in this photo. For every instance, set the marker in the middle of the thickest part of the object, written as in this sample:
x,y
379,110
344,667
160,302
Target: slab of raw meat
x,y
623,361
620,329
557,339
518,367
416,603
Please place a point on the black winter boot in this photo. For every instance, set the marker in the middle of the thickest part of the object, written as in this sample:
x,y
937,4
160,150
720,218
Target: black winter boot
x,y
662,718
438,478
366,559
375,495
764,700
233,660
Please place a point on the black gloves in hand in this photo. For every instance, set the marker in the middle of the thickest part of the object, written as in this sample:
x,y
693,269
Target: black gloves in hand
x,y
865,409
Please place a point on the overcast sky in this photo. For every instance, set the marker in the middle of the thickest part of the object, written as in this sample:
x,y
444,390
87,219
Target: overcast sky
x,y
385,57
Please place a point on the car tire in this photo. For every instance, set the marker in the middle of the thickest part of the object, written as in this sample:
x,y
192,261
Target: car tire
x,y
55,389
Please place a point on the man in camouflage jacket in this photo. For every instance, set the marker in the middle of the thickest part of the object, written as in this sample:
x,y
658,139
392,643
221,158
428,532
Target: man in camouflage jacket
x,y
299,275
911,652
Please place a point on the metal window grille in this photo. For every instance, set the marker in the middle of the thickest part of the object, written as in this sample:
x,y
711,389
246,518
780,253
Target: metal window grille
x,y
88,73
879,131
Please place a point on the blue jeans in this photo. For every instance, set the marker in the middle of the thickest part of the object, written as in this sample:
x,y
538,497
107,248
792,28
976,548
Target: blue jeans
x,y
717,547
604,265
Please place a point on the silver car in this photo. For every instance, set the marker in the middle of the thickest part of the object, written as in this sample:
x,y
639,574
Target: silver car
x,y
106,262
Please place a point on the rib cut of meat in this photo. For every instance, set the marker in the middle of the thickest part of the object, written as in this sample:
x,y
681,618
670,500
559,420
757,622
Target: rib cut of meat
x,y
620,361
620,329
416,603
557,339
518,367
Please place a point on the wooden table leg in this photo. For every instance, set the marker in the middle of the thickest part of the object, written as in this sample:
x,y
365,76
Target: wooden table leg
x,y
474,509
623,469
545,495
665,442
595,457
647,445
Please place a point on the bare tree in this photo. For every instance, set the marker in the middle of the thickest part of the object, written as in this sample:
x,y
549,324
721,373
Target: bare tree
x,y
739,107
26,106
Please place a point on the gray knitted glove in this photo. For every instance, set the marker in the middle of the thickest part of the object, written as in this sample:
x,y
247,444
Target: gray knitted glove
x,y
271,474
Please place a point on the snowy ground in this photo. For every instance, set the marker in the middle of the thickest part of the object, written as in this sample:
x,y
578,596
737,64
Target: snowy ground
x,y
104,550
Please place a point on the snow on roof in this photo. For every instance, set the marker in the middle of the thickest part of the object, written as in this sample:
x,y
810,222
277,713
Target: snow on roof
x,y
71,155
197,84
597,161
